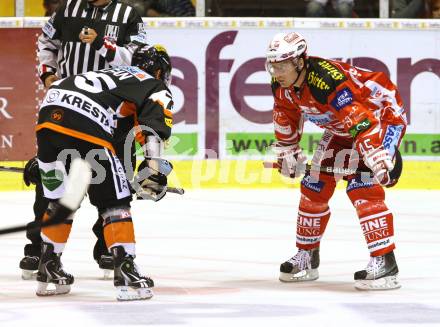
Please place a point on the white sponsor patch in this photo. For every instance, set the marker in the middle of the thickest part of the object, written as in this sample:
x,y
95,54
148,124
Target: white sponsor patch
x,y
120,182
81,104
139,38
162,97
49,30
135,71
53,177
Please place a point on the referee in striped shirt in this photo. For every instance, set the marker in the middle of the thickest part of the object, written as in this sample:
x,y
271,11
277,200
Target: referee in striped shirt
x,y
88,35
82,36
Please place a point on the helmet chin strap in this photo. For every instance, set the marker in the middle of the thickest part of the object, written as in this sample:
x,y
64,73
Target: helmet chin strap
x,y
298,71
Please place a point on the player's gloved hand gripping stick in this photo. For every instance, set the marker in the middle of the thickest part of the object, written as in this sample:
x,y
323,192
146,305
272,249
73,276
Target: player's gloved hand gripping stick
x,y
296,166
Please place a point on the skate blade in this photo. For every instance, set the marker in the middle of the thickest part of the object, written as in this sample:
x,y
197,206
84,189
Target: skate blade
x,y
125,293
49,289
381,284
29,274
302,276
108,274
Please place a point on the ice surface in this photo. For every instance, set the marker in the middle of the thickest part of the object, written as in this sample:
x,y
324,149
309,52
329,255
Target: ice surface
x,y
215,255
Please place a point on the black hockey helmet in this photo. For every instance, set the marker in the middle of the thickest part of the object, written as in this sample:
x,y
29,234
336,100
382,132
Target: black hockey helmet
x,y
154,60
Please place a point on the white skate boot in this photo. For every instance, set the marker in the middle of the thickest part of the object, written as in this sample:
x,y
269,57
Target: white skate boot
x,y
301,267
380,274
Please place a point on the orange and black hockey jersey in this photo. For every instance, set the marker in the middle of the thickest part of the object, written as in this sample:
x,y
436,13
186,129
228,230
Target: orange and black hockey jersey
x,y
88,106
345,100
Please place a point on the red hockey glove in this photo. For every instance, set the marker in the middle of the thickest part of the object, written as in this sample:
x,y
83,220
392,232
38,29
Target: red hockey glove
x,y
380,162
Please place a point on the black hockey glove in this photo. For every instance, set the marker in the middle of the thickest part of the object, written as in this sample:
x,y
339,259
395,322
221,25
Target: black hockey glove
x,y
150,182
31,173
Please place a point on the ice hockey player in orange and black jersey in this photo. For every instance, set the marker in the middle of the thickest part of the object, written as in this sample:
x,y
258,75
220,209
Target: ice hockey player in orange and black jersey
x,y
81,36
79,117
363,119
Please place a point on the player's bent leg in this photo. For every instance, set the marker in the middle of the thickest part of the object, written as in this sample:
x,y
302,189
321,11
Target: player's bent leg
x,y
52,279
119,235
376,221
32,251
313,216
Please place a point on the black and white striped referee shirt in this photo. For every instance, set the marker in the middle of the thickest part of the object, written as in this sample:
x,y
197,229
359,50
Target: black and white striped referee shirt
x,y
120,31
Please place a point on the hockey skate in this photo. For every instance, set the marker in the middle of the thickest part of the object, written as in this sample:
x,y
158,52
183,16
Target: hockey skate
x,y
130,284
52,279
29,264
380,274
29,267
301,267
105,263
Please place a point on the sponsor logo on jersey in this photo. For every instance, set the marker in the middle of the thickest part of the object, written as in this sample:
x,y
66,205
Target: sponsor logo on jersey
x,y
49,30
139,38
141,28
317,81
320,119
357,183
169,122
331,70
51,179
111,32
135,71
312,184
356,129
52,96
392,137
57,115
83,105
343,98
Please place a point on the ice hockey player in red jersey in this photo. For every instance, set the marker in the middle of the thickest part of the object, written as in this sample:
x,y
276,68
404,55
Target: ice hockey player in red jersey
x,y
78,117
363,120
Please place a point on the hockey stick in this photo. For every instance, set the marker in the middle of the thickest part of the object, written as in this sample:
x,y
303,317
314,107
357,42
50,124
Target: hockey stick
x,y
11,169
176,190
394,173
76,187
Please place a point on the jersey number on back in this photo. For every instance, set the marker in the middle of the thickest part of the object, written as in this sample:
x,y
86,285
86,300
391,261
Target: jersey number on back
x,y
94,82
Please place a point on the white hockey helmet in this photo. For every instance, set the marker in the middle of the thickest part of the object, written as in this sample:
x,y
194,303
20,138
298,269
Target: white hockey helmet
x,y
286,46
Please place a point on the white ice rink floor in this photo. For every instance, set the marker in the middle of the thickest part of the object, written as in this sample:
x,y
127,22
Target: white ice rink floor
x,y
215,255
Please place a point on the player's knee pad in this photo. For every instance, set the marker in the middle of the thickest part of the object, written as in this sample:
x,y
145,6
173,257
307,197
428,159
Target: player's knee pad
x,y
318,189
118,227
313,213
366,196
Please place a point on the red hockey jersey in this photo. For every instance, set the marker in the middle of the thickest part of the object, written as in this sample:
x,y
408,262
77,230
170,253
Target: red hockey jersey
x,y
347,101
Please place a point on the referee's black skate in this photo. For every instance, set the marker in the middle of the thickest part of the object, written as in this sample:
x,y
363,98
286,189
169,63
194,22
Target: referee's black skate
x,y
29,263
303,266
52,279
380,274
107,265
130,284
29,267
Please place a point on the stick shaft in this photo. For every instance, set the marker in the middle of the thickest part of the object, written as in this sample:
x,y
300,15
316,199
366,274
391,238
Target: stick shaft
x,y
323,169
